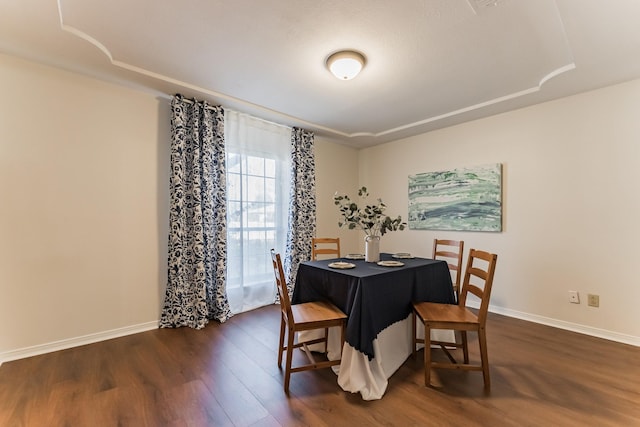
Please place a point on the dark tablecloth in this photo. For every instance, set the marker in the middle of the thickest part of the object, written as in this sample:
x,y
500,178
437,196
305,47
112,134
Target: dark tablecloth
x,y
374,297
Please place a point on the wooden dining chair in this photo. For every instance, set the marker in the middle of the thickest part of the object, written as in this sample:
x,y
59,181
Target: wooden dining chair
x,y
450,251
325,246
478,280
303,317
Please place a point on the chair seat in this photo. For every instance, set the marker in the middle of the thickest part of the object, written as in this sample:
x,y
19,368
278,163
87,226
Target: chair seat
x,y
318,313
445,314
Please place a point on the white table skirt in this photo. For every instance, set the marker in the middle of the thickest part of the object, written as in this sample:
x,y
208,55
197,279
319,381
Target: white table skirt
x,y
392,347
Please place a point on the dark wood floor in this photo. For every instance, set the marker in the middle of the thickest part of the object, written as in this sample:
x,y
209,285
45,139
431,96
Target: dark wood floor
x,y
226,375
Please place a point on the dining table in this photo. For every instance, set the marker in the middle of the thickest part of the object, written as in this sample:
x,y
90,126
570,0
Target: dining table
x,y
377,298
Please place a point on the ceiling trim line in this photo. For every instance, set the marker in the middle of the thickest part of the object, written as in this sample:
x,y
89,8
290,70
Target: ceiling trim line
x,y
81,34
514,95
286,117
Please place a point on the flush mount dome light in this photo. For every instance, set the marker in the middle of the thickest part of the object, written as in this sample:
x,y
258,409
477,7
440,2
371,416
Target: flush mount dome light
x,y
345,64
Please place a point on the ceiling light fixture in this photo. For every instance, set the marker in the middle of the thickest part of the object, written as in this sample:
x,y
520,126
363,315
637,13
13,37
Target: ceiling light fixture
x,y
345,64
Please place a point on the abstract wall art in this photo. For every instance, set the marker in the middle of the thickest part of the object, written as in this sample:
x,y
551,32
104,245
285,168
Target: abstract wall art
x,y
466,199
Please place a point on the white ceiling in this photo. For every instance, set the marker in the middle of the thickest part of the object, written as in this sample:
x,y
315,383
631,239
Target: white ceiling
x,y
430,63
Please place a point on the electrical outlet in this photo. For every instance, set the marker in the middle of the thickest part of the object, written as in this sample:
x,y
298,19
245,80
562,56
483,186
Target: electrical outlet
x,y
573,297
593,300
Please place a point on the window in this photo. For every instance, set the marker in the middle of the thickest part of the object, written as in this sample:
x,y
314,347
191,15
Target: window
x,y
258,165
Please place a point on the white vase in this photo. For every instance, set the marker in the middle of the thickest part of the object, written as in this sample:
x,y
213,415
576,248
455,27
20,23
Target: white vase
x,y
372,248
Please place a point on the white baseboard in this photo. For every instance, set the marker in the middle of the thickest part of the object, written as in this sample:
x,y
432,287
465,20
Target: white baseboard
x,y
134,329
22,353
561,324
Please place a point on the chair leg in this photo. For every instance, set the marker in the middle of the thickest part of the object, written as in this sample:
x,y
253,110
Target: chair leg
x,y
465,346
287,372
427,355
482,340
326,340
414,331
281,346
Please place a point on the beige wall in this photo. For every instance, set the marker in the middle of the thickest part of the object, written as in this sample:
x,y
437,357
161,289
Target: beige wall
x,y
83,208
336,171
571,204
84,199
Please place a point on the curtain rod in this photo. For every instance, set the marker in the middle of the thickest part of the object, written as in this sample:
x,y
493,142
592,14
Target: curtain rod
x,y
189,101
259,118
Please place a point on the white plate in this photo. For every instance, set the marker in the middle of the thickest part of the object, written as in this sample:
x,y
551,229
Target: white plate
x,y
391,263
341,265
355,256
402,255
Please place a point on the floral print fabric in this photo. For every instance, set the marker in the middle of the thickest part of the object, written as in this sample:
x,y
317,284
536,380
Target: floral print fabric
x,y
196,289
302,204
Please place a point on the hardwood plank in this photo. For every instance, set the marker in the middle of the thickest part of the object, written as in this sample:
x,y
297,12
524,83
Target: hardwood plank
x,y
227,375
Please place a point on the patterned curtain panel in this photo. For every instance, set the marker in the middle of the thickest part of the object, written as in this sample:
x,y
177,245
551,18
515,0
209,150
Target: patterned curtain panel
x,y
302,204
197,218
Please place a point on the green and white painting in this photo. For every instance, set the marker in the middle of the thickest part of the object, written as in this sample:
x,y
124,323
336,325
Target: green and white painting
x,y
468,199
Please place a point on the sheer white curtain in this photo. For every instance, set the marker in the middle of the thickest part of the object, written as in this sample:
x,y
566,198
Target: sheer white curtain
x,y
258,169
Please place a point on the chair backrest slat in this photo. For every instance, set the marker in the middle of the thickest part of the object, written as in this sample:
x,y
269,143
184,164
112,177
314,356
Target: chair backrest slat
x,y
485,275
281,284
325,246
450,251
